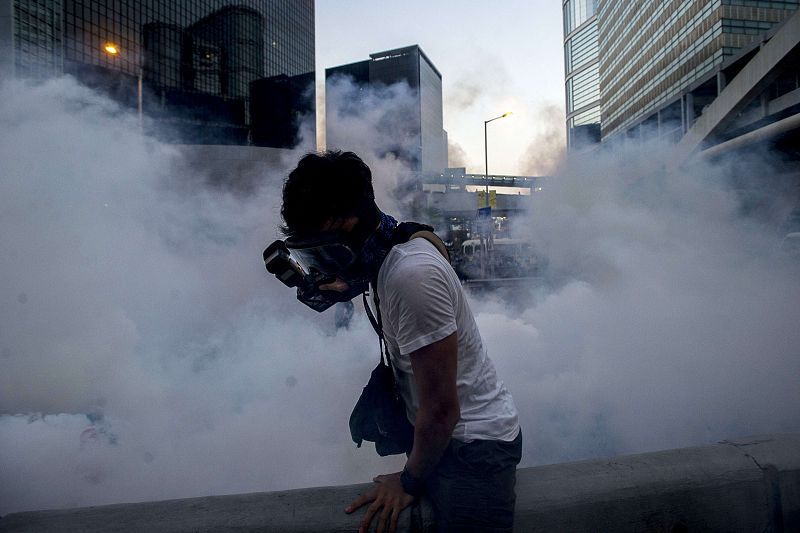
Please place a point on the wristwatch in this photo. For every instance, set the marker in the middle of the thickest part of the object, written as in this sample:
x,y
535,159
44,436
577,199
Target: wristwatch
x,y
411,484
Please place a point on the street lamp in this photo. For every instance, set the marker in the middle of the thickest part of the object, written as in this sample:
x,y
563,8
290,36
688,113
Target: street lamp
x,y
113,50
486,151
485,245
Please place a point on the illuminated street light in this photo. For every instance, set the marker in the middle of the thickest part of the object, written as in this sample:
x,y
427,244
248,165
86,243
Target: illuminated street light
x,y
485,246
486,151
113,50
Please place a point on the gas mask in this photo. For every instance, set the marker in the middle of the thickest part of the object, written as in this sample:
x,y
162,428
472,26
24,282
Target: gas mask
x,y
307,263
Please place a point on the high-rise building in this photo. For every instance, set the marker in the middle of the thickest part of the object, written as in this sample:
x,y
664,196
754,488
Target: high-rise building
x,y
581,67
628,64
651,51
196,69
426,153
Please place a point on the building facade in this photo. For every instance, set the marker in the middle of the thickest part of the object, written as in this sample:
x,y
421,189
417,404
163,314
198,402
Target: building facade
x,y
627,64
200,71
582,74
426,153
651,51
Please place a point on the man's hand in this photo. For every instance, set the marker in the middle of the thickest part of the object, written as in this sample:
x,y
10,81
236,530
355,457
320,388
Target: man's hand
x,y
388,494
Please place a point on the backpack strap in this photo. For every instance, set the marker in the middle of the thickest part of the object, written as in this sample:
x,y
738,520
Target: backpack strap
x,y
434,240
377,325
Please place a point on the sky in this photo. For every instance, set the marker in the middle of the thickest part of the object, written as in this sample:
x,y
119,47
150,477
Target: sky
x,y
494,57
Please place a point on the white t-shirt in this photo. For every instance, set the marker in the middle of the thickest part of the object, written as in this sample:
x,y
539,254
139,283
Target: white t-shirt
x,y
422,302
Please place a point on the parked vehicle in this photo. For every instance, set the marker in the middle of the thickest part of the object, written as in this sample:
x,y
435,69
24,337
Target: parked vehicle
x,y
506,258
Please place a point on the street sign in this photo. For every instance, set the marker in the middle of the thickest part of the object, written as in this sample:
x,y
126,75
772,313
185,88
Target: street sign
x,y
484,219
492,199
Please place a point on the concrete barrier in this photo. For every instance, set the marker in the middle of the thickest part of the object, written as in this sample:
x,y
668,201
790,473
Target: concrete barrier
x,y
744,485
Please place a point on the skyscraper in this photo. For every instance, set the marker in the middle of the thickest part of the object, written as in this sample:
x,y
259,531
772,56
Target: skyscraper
x,y
423,124
625,61
194,68
651,51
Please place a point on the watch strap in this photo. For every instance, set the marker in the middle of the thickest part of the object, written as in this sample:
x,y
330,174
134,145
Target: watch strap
x,y
413,486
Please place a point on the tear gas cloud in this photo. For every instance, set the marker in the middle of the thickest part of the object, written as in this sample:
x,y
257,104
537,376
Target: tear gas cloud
x,y
548,143
672,320
147,355
373,121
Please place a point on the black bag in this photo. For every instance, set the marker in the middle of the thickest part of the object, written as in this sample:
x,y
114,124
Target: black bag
x,y
380,413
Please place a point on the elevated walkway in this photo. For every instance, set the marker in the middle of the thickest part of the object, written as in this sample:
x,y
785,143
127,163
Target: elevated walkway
x,y
744,485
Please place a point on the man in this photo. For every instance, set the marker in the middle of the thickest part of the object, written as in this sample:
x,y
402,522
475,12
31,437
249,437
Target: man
x,y
467,440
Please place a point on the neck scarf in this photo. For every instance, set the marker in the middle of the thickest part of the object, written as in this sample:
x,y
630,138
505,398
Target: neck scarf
x,y
377,247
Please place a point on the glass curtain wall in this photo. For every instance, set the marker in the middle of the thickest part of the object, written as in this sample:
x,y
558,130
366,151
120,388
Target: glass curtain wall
x,y
581,67
651,51
196,60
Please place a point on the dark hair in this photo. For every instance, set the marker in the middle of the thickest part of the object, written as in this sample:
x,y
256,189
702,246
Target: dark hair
x,y
326,186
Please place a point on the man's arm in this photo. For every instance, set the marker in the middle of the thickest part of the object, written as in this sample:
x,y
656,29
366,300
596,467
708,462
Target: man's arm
x,y
434,368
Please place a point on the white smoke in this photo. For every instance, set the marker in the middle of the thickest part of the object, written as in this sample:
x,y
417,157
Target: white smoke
x,y
673,320
374,122
146,354
546,149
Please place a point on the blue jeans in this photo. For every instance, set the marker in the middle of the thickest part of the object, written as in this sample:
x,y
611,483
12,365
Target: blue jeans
x,y
472,488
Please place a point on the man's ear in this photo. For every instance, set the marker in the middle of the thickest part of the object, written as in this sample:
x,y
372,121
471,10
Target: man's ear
x,y
332,224
345,224
349,223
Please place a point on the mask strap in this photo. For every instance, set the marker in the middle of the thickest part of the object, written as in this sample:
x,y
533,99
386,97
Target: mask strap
x,y
377,325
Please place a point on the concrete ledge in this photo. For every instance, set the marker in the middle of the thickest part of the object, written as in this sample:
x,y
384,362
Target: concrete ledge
x,y
746,485
734,486
316,509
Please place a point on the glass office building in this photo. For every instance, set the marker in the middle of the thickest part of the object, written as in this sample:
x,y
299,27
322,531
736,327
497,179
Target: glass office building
x,y
582,76
423,124
651,51
36,31
201,71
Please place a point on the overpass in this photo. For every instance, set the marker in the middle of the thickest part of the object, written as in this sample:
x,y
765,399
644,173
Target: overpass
x,y
458,177
748,484
454,193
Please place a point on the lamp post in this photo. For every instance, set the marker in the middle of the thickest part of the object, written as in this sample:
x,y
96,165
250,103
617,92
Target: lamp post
x,y
485,245
113,50
486,151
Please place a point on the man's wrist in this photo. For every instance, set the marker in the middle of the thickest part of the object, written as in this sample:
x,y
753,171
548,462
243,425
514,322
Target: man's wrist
x,y
411,485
